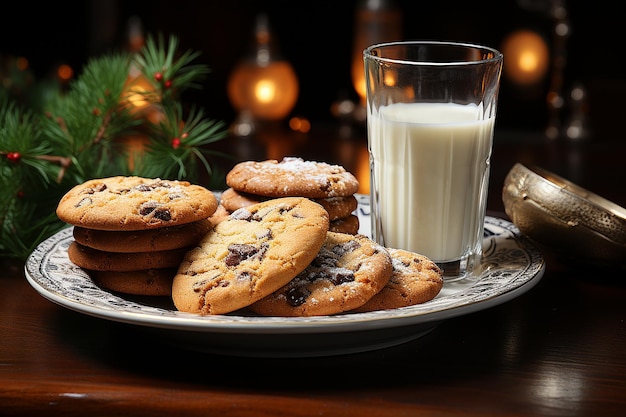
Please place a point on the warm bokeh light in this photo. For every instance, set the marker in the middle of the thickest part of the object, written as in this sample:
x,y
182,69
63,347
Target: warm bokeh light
x,y
137,90
263,86
140,98
65,72
299,124
268,92
527,57
137,97
265,91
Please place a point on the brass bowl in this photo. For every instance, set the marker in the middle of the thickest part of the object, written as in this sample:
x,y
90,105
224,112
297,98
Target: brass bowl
x,y
565,217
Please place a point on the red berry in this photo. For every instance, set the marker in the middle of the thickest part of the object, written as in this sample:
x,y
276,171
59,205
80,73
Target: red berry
x,y
14,156
158,76
175,143
168,83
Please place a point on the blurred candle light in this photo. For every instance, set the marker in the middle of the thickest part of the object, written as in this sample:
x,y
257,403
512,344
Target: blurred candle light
x,y
527,57
263,86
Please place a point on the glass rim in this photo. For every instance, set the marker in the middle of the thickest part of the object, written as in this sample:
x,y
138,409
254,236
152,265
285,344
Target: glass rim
x,y
497,55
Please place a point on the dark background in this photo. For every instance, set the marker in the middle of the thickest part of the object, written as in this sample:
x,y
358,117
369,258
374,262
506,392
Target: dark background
x,y
316,37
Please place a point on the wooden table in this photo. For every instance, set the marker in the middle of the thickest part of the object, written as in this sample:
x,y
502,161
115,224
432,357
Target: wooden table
x,y
556,350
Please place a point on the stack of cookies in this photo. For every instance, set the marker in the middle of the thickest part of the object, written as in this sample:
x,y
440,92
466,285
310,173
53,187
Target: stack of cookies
x,y
331,186
131,233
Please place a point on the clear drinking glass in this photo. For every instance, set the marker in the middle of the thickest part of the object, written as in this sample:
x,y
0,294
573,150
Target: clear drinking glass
x,y
431,109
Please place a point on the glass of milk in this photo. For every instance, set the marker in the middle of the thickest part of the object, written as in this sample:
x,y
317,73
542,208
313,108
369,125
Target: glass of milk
x,y
431,108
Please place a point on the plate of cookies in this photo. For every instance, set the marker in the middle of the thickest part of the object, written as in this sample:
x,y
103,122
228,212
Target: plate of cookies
x,y
283,268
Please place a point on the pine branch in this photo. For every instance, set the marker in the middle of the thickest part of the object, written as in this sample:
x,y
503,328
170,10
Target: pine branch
x,y
64,139
169,74
178,145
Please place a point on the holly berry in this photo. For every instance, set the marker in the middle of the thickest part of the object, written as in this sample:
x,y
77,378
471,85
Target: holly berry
x,y
175,143
168,84
14,156
158,76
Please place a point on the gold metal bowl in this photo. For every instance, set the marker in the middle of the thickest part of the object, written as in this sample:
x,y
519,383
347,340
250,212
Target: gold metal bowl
x,y
565,217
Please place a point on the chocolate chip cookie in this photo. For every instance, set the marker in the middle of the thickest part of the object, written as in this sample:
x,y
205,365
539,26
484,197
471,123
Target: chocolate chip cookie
x,y
415,279
250,254
347,272
135,203
292,177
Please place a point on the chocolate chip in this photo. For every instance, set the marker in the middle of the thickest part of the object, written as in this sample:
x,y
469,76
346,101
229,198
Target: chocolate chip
x,y
92,190
147,208
238,252
241,214
161,184
152,186
297,296
143,188
266,234
83,202
325,259
152,207
163,214
340,276
256,217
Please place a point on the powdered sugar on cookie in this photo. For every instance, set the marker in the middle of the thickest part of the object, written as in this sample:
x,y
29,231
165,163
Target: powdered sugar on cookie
x,y
292,177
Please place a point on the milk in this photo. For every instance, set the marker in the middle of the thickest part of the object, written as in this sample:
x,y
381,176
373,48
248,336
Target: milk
x,y
429,176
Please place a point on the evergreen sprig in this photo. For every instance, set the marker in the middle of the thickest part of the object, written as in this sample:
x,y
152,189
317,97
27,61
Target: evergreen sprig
x,y
167,72
178,145
65,138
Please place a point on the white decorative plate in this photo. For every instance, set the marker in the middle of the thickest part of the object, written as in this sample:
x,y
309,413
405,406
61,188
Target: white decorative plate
x,y
511,266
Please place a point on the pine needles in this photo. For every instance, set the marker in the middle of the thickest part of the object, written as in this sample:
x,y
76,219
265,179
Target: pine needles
x,y
83,133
